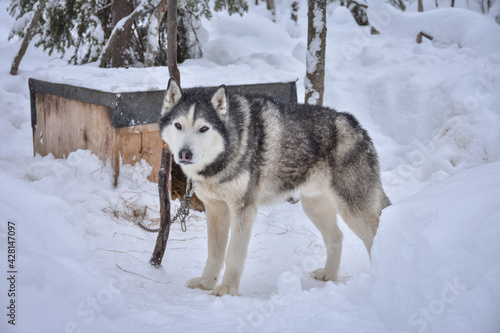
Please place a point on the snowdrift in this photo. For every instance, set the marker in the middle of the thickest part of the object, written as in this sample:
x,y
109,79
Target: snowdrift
x,y
57,288
435,263
462,27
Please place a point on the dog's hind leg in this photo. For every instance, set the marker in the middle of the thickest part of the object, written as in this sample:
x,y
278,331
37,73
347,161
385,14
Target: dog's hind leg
x,y
321,211
363,219
218,218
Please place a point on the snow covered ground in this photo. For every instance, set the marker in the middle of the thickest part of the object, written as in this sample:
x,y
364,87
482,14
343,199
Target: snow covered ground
x,y
433,111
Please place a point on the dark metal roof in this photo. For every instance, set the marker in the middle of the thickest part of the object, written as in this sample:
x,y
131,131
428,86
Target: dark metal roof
x,y
143,107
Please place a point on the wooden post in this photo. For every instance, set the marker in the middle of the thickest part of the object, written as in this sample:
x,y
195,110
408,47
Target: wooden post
x,y
420,10
173,70
161,240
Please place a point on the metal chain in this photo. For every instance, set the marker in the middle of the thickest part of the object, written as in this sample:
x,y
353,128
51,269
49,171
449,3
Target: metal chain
x,y
182,212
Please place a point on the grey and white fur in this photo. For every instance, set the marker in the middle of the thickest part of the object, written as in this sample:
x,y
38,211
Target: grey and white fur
x,y
246,151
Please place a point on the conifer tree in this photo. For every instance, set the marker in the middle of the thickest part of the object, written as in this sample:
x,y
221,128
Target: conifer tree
x,y
86,28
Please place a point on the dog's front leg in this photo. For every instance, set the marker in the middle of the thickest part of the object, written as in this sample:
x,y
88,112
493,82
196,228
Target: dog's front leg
x,y
218,217
241,229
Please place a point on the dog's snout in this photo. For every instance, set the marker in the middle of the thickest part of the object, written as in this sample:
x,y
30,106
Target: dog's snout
x,y
185,155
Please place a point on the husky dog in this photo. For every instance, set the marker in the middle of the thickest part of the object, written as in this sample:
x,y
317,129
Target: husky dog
x,y
245,151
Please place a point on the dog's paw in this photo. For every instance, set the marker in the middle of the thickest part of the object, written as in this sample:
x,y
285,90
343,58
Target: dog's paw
x,y
225,290
201,283
323,275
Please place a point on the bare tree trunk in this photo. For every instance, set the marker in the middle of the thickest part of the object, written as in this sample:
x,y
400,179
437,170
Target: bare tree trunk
x,y
315,57
152,37
420,9
121,9
27,37
121,26
453,3
272,7
173,70
295,10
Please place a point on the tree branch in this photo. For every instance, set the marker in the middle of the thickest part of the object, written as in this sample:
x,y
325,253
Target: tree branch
x,y
357,3
423,34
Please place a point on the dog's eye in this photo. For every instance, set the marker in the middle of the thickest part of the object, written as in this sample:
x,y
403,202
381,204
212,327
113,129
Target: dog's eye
x,y
178,126
203,129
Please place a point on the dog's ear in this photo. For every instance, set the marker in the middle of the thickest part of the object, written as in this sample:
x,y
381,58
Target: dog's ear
x,y
172,96
219,100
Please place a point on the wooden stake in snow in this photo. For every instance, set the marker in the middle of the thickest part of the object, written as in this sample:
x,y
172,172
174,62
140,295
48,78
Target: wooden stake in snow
x,y
161,240
173,70
27,37
420,10
422,34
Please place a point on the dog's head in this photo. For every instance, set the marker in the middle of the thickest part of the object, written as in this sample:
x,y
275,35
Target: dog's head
x,y
192,124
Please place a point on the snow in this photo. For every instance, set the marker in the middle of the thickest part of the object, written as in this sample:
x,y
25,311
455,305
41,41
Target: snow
x,y
454,223
56,281
445,25
432,111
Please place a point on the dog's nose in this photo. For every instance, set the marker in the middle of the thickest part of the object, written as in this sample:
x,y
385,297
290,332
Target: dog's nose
x,y
185,155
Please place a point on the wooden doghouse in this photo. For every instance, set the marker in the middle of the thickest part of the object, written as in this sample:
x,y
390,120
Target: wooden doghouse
x,y
120,128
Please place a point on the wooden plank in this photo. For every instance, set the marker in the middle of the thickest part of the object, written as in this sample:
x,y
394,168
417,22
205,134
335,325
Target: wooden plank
x,y
39,144
142,142
151,149
65,125
128,143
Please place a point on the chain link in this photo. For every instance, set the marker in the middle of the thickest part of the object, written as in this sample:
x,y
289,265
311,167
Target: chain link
x,y
182,212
